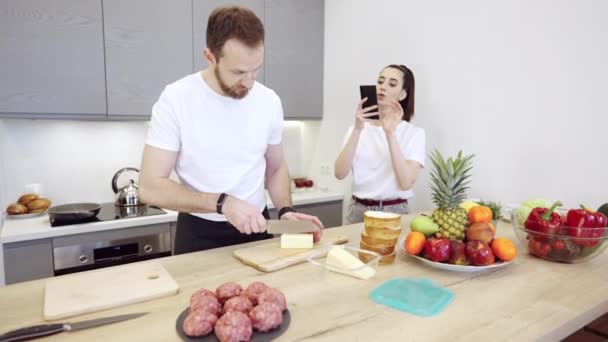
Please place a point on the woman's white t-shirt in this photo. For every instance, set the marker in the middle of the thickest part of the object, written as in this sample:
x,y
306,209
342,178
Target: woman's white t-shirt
x,y
373,175
220,141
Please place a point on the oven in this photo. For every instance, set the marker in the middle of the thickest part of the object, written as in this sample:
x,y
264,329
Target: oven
x,y
83,252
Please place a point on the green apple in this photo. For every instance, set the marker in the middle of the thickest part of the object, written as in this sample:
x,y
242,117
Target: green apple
x,y
424,224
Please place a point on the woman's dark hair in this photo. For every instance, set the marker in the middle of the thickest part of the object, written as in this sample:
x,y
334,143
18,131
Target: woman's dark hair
x,y
409,85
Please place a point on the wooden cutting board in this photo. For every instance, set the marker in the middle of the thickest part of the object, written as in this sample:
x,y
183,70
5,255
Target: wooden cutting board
x,y
106,288
270,257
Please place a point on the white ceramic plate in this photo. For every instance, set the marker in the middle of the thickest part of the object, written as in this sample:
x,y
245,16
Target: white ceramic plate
x,y
23,216
456,268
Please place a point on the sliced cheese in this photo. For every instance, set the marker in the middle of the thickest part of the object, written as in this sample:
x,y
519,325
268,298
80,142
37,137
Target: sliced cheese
x,y
344,262
296,241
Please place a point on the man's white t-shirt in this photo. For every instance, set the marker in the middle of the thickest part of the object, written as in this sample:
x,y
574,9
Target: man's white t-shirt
x,y
220,141
373,174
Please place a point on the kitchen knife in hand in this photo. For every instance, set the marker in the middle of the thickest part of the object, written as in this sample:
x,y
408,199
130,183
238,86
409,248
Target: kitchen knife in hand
x,y
290,227
37,331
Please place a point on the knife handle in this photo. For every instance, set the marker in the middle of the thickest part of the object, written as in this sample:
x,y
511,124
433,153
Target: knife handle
x,y
32,332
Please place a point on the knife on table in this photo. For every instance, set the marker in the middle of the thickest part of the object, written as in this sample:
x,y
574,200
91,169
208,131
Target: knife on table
x,y
290,227
36,331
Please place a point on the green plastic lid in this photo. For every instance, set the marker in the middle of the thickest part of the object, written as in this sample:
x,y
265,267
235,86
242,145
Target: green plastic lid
x,y
419,296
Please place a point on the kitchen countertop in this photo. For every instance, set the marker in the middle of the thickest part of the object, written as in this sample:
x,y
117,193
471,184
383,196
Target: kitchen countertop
x,y
15,230
532,299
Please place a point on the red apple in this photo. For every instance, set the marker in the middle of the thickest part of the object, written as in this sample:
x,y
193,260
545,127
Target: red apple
x,y
309,183
479,253
437,249
458,255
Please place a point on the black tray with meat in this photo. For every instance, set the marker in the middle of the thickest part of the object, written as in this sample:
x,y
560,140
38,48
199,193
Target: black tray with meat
x,y
255,337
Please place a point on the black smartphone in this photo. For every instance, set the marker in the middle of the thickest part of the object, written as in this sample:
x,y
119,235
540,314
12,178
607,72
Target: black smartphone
x,y
369,91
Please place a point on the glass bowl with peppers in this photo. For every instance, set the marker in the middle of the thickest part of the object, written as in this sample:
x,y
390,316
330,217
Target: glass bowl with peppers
x,y
569,236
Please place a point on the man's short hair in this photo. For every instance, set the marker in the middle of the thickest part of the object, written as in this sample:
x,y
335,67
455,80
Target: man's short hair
x,y
233,22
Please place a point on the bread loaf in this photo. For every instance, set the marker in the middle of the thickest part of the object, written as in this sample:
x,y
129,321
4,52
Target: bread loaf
x,y
39,204
374,241
382,250
384,260
383,233
380,235
380,219
16,209
27,198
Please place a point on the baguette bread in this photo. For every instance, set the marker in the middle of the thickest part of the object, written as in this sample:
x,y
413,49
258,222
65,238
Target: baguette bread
x,y
39,204
27,198
16,209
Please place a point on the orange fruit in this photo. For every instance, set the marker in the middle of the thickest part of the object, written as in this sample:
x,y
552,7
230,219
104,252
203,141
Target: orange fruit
x,y
480,214
414,243
504,249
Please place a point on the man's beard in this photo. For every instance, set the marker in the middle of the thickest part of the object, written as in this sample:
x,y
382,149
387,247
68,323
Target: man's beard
x,y
236,92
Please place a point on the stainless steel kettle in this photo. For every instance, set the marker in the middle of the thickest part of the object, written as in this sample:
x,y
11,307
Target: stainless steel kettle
x,y
128,195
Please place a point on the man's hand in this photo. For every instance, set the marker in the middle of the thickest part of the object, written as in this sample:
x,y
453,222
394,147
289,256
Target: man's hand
x,y
243,216
303,217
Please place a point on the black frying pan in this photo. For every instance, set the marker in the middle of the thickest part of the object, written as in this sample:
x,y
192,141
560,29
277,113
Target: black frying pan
x,y
74,211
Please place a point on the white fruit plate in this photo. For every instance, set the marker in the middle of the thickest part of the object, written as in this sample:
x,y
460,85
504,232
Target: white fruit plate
x,y
451,267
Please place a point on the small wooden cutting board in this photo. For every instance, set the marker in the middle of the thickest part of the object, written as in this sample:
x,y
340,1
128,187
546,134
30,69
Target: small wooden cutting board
x,y
106,288
270,257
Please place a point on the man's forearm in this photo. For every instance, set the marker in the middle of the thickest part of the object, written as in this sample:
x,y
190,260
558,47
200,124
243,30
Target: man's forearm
x,y
165,193
278,187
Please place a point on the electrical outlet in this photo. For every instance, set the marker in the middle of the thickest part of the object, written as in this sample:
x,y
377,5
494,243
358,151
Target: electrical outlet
x,y
325,169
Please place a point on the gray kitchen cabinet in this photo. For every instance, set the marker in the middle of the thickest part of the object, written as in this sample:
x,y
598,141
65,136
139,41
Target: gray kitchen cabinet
x,y
148,44
52,58
201,9
294,55
28,260
330,213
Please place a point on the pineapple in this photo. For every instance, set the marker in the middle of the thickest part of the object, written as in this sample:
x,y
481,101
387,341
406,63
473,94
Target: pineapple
x,y
450,179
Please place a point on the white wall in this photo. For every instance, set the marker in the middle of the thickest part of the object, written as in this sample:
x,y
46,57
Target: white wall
x,y
519,83
76,160
73,160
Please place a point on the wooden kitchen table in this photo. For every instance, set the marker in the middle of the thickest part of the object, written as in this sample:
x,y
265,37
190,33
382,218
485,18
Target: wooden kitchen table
x,y
532,299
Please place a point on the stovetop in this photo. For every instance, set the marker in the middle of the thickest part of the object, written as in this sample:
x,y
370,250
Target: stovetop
x,y
112,212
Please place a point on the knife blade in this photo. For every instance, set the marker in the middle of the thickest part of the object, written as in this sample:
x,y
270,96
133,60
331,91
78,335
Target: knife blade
x,y
37,331
290,227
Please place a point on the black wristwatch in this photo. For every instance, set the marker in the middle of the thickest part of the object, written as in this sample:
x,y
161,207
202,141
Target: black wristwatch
x,y
220,202
286,210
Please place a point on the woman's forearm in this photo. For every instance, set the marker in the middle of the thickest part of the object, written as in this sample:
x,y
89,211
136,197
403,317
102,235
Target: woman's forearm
x,y
344,162
405,170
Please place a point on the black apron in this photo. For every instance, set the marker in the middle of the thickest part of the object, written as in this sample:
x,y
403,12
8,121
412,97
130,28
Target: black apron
x,y
197,234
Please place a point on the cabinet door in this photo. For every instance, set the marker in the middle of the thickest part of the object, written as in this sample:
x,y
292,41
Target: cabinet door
x,y
148,45
52,57
201,10
330,213
294,55
28,260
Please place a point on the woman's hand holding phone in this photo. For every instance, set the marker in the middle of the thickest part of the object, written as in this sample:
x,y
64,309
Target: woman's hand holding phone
x,y
362,114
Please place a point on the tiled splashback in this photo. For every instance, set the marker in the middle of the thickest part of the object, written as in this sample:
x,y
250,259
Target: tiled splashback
x,y
75,160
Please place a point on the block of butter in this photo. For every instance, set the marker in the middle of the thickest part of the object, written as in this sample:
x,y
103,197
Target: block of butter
x,y
296,241
344,262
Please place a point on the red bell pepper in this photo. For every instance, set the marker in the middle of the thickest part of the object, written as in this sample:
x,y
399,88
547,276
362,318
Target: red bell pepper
x,y
544,221
585,226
